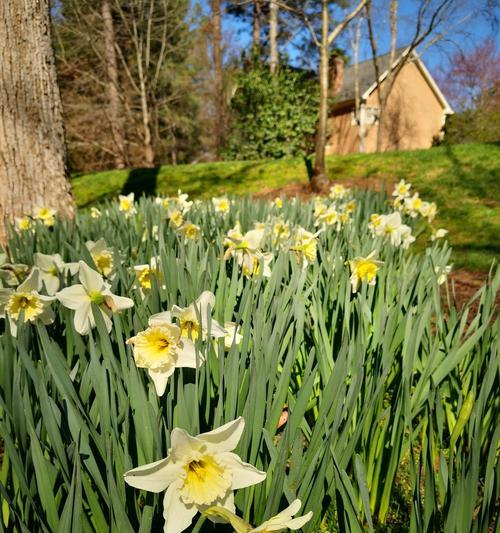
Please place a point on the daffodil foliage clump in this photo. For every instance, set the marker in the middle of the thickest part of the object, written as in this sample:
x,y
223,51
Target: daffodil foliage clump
x,y
178,365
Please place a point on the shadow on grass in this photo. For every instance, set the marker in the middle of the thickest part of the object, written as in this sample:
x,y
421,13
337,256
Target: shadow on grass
x,y
213,179
476,179
141,181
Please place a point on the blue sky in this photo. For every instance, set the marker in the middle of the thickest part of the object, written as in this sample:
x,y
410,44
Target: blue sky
x,y
469,31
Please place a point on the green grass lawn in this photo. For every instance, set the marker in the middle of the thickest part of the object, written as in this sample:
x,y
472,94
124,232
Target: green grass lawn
x,y
464,181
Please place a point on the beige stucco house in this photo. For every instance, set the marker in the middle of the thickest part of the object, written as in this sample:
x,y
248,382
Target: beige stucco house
x,y
415,114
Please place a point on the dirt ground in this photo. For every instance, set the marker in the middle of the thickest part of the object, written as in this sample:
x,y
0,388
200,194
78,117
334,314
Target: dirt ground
x,y
466,282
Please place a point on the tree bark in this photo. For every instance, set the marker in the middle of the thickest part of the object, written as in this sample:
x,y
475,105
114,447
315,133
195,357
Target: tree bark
x,y
319,179
219,75
115,115
149,155
257,9
33,169
273,36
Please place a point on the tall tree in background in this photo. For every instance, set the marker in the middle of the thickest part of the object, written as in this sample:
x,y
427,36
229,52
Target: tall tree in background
x,y
273,36
218,74
115,105
324,42
253,12
32,150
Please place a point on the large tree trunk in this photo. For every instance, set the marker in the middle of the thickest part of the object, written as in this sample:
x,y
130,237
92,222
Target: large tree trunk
x,y
319,179
219,75
115,116
33,169
273,36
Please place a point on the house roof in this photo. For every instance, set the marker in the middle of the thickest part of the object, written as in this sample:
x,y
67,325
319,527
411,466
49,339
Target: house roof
x,y
367,78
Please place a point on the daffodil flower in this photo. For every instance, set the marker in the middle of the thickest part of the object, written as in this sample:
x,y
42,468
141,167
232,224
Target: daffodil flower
x,y
428,210
189,318
250,263
12,274
50,267
190,231
23,223
338,192
161,350
330,217
94,212
144,273
319,207
305,246
27,301
233,235
391,227
45,215
250,242
126,204
364,269
176,218
199,472
102,256
182,201
278,202
442,273
221,205
413,205
280,231
93,289
281,522
439,234
402,189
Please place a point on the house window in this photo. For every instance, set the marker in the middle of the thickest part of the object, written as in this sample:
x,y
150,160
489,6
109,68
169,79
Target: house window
x,y
369,116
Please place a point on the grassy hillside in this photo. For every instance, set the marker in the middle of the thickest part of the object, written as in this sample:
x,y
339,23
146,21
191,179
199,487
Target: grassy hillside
x,y
464,180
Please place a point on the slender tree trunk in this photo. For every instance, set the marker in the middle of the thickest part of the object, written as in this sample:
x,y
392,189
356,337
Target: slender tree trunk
x,y
149,155
257,9
319,179
33,169
219,75
273,36
115,116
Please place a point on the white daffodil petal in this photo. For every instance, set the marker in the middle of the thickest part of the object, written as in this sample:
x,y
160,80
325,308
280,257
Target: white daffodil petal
x,y
226,437
73,297
119,303
254,238
297,523
160,379
216,330
187,355
244,474
178,516
203,302
159,319
82,320
107,320
31,283
182,442
72,268
90,279
43,261
51,283
154,477
228,502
